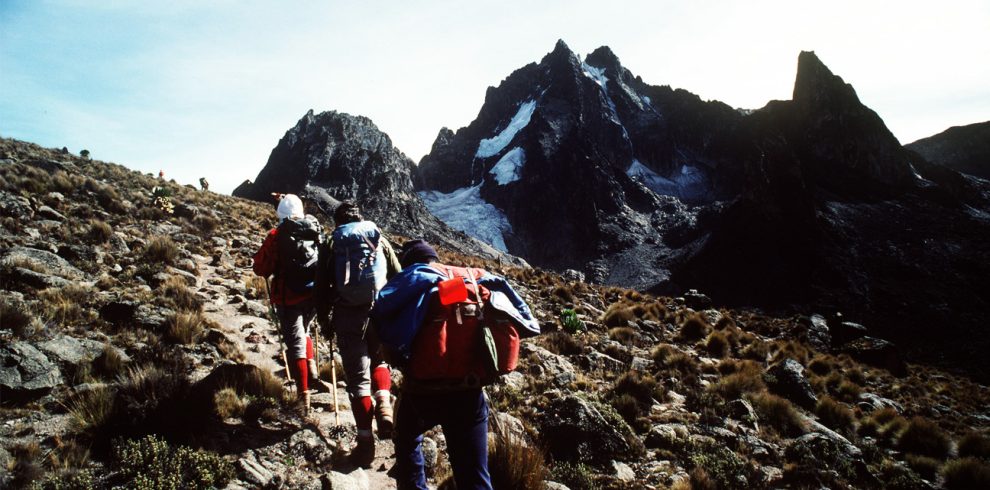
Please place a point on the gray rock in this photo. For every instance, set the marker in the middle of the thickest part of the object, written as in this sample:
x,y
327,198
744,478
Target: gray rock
x,y
356,480
623,472
666,436
574,430
876,352
786,379
431,453
697,301
70,351
310,446
557,369
847,332
15,206
254,308
743,411
596,361
49,213
640,364
552,485
514,380
36,280
510,425
152,317
254,473
26,374
42,262
819,335
869,402
572,275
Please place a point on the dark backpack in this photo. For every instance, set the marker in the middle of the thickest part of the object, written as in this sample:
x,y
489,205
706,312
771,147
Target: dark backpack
x,y
463,340
298,243
359,263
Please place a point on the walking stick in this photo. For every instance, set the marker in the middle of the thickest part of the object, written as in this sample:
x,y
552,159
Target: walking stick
x,y
333,377
278,321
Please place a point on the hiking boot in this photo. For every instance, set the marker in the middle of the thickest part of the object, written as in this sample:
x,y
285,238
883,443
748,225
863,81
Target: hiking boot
x,y
383,417
364,452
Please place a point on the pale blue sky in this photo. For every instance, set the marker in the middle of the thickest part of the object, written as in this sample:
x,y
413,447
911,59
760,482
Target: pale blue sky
x,y
208,88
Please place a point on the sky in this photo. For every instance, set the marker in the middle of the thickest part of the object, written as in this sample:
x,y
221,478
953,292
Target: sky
x,y
206,89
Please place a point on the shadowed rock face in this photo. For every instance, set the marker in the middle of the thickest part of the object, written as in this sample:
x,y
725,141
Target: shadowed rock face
x,y
330,157
965,149
810,202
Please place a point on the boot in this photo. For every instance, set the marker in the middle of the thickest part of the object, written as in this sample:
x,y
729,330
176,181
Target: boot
x,y
363,453
383,414
315,383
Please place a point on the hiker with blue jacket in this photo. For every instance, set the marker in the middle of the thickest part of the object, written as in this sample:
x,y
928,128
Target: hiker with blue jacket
x,y
451,330
354,265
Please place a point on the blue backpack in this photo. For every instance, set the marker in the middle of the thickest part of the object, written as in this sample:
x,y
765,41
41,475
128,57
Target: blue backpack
x,y
359,263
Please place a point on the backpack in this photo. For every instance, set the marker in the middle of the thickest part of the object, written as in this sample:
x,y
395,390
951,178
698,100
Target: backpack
x,y
463,340
359,263
298,244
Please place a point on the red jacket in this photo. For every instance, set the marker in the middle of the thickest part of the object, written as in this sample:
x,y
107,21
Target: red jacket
x,y
265,263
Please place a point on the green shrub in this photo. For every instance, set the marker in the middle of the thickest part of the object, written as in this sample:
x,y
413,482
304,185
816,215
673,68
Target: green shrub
x,y
720,464
577,476
151,463
570,321
924,438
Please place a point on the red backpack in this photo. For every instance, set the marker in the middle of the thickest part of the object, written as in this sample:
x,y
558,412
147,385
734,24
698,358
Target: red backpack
x,y
462,338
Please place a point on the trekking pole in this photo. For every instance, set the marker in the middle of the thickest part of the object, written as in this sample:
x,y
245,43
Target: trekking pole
x,y
278,322
333,377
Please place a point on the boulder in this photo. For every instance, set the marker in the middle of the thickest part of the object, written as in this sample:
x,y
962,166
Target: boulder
x,y
36,280
818,334
70,351
15,206
254,473
876,352
869,402
596,361
575,430
743,411
845,332
50,214
697,301
786,379
42,262
547,365
623,472
666,436
26,374
356,480
152,317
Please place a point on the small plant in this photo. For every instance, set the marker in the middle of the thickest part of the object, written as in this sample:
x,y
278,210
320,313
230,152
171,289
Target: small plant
x,y
512,463
151,463
91,409
99,232
161,198
180,296
623,335
16,317
576,476
694,327
966,473
974,444
722,468
924,438
717,344
778,413
185,327
227,404
161,250
559,342
570,321
835,415
925,466
618,315
737,384
84,154
109,364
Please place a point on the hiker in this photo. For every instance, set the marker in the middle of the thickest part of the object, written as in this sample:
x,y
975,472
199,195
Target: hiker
x,y
355,264
161,174
203,184
445,369
289,252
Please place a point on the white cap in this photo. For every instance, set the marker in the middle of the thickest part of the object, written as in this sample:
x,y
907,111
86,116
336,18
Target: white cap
x,y
289,207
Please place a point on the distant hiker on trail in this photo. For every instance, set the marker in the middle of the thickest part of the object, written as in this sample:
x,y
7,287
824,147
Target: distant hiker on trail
x,y
290,253
203,184
161,174
356,264
451,330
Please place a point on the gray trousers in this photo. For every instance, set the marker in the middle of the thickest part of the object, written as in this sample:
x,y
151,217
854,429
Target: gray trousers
x,y
295,320
359,347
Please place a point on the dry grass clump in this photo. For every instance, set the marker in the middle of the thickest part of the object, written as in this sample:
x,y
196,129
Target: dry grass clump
x,y
618,315
26,465
623,335
99,232
923,437
668,357
161,250
17,318
820,365
228,404
91,409
694,327
255,287
180,295
835,415
974,444
739,383
512,463
700,480
643,387
717,344
778,413
790,348
109,364
206,225
186,327
560,342
925,466
564,293
966,473
757,350
848,391
64,306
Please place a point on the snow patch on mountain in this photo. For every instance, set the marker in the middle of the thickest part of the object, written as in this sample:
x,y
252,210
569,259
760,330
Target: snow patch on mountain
x,y
492,146
509,167
690,184
465,210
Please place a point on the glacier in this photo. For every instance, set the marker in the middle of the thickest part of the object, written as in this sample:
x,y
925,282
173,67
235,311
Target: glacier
x,y
465,210
509,167
492,146
690,184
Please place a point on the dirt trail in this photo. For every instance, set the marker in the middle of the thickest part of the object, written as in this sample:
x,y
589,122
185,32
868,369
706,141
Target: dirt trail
x,y
245,323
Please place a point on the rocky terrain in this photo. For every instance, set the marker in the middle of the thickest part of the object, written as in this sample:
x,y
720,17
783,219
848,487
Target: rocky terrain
x,y
964,149
136,353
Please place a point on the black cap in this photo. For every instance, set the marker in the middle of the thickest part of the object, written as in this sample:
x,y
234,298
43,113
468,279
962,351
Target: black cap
x,y
417,251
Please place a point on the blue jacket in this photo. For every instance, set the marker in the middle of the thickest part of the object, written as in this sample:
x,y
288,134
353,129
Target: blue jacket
x,y
401,306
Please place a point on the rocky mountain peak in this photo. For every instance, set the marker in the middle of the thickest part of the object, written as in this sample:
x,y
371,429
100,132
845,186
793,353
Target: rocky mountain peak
x,y
817,86
603,57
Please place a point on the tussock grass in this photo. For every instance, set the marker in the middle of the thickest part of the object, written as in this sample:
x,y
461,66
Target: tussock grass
x,y
17,318
925,466
512,463
623,335
778,413
925,438
186,327
92,409
966,473
99,232
64,306
835,415
180,295
109,364
694,327
737,384
974,444
161,250
717,344
560,342
228,404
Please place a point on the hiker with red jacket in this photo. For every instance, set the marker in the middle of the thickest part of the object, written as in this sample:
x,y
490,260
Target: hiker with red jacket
x,y
355,264
289,252
452,330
